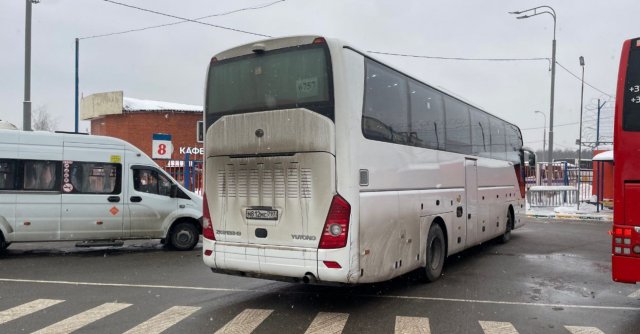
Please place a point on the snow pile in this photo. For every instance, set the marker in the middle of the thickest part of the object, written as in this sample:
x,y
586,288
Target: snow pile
x,y
587,212
604,156
131,104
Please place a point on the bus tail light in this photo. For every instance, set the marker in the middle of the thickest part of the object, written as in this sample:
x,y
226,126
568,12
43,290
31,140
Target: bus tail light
x,y
336,226
624,240
207,224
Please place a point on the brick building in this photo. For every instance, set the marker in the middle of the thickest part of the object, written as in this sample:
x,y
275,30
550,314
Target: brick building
x,y
136,121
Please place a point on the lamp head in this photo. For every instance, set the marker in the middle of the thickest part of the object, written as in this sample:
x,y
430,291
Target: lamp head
x,y
581,61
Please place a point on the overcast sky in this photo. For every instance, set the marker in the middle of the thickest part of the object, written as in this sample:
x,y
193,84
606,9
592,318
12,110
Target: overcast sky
x,y
169,63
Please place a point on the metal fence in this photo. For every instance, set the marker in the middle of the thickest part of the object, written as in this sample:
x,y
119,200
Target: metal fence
x,y
552,196
562,174
188,172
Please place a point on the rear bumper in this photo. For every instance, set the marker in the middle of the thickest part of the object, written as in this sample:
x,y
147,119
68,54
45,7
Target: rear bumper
x,y
272,262
625,269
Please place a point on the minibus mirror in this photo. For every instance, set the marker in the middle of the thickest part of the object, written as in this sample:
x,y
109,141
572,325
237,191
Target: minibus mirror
x,y
532,159
174,191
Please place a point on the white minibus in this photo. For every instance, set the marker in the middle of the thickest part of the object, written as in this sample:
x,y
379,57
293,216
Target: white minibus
x,y
74,187
324,164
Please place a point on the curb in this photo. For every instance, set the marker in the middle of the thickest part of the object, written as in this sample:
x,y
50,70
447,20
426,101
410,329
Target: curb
x,y
566,216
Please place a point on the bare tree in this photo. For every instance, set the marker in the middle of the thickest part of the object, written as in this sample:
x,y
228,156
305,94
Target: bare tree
x,y
42,120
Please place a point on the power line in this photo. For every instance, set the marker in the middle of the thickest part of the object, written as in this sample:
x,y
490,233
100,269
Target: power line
x,y
185,19
566,124
459,58
489,59
182,21
580,79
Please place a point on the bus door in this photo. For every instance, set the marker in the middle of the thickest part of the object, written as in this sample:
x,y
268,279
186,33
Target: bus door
x,y
471,200
92,202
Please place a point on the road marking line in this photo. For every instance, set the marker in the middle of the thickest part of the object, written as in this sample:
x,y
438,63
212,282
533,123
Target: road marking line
x,y
412,325
420,298
328,323
635,294
163,321
245,322
80,320
146,286
583,330
495,327
26,309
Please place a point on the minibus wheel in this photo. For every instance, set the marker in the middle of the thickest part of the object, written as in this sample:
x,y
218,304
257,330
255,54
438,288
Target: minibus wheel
x,y
183,236
3,243
435,255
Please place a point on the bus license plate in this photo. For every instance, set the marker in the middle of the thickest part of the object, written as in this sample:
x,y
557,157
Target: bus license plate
x,y
262,214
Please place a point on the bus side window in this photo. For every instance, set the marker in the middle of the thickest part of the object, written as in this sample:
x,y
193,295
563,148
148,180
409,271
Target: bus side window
x,y
385,115
427,116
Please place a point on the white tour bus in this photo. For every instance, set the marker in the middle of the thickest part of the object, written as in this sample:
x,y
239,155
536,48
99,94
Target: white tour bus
x,y
326,165
62,187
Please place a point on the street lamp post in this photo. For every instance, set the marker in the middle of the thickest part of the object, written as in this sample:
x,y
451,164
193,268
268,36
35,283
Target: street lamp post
x,y
580,135
544,132
539,11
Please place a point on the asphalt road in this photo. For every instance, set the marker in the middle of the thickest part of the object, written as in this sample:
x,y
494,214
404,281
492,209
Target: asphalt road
x,y
549,277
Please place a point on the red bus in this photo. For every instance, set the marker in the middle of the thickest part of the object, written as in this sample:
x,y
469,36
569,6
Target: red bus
x,y
625,250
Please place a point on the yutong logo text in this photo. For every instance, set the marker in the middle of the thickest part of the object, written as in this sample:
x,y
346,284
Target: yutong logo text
x,y
232,233
303,237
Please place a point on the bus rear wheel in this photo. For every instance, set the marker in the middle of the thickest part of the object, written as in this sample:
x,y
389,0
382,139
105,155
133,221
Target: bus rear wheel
x,y
435,253
510,223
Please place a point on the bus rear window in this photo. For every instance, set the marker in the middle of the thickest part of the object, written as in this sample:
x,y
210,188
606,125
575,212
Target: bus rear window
x,y
296,77
631,104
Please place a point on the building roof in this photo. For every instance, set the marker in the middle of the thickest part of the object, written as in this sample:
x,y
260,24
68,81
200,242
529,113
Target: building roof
x,y
115,103
604,156
130,104
7,125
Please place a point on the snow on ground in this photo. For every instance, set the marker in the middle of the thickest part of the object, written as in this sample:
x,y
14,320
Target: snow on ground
x,y
587,212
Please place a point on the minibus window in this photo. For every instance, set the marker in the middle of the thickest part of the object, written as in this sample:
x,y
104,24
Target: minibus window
x,y
95,178
152,182
7,174
41,175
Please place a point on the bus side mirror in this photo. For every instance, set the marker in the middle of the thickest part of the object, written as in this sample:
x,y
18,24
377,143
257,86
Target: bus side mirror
x,y
532,160
174,191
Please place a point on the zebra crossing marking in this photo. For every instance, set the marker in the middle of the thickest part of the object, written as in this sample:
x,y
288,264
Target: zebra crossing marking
x,y
245,322
583,330
328,323
399,297
634,294
412,325
163,320
26,309
80,320
495,327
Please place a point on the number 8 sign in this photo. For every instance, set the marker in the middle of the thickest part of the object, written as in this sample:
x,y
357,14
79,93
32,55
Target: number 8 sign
x,y
161,146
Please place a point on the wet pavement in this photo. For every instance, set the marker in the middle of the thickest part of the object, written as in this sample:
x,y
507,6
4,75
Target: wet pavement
x,y
552,277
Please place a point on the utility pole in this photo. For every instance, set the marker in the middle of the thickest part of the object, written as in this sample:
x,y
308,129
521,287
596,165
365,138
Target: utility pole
x,y
77,82
598,123
580,135
26,104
